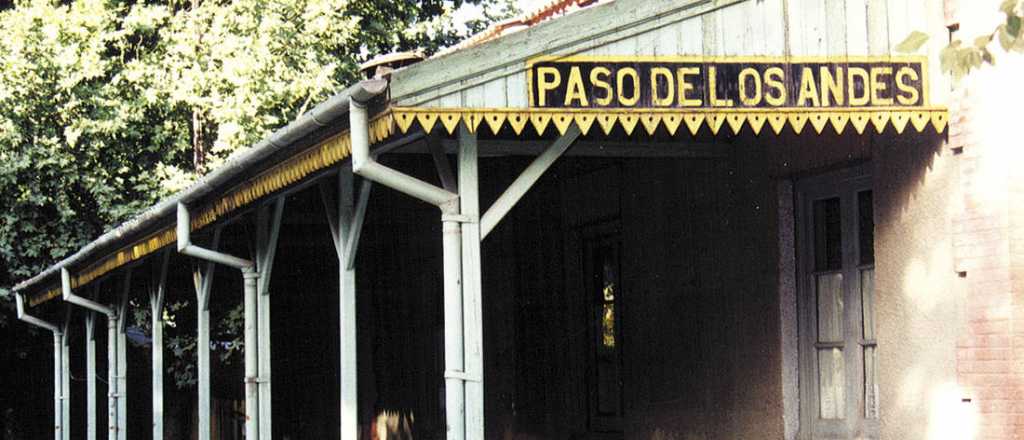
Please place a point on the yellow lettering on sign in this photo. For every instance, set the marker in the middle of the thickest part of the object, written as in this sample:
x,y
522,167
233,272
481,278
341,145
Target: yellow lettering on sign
x,y
685,86
745,97
851,86
548,79
574,88
595,78
878,85
808,89
831,86
656,99
909,95
620,78
773,80
713,89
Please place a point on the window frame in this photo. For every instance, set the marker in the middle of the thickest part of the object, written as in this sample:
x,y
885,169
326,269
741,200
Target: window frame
x,y
846,184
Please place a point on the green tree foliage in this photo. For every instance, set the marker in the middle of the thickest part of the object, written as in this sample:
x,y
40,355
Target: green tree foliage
x,y
959,58
106,106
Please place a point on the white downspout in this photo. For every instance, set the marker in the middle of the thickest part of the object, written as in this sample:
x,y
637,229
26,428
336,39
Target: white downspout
x,y
364,165
113,393
58,364
249,277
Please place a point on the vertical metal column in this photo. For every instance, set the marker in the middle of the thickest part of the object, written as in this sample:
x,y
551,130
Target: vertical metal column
x,y
203,280
90,376
122,358
454,375
472,309
252,429
112,381
66,380
268,228
58,385
347,309
346,219
156,309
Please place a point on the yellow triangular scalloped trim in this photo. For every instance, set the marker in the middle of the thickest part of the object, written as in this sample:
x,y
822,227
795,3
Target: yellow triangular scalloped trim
x,y
756,122
650,122
715,122
473,121
518,121
693,122
797,121
736,121
860,121
672,122
818,121
899,121
404,121
562,122
777,122
540,122
920,120
584,121
879,120
939,120
839,121
427,121
450,121
607,122
629,122
495,121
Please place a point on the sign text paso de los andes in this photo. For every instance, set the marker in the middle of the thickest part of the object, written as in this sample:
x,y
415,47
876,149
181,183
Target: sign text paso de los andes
x,y
694,83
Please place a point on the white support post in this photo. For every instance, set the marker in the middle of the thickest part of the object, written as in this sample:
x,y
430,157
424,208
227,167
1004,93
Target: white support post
x,y
156,308
472,309
252,403
203,280
454,358
268,229
346,222
122,358
90,376
112,381
346,309
66,378
58,386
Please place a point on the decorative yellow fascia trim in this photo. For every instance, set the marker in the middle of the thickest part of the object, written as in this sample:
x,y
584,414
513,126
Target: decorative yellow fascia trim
x,y
280,176
542,119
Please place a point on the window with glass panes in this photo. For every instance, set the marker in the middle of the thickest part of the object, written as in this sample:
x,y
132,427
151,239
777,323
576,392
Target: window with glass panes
x,y
838,358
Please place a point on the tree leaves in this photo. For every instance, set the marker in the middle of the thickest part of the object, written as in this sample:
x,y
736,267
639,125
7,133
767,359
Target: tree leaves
x,y
959,60
102,105
913,42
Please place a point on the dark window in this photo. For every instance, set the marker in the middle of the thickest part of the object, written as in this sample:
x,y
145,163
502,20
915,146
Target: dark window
x,y
866,226
828,233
